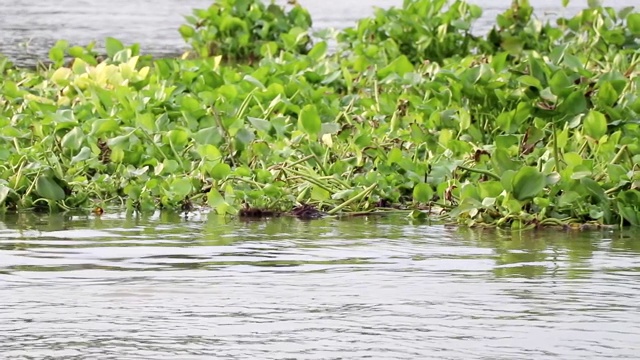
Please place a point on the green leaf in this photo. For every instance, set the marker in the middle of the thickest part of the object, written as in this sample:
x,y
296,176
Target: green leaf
x,y
607,94
209,152
220,171
76,51
318,50
594,189
633,23
574,104
122,139
513,45
560,84
113,46
530,81
490,189
210,135
329,128
343,194
73,139
461,24
422,193
568,198
4,193
630,214
394,156
218,203
573,62
178,137
594,3
401,65
103,126
565,3
56,55
245,136
186,31
310,120
255,82
190,104
84,154
181,187
625,11
260,124
475,11
319,194
527,183
595,124
502,161
49,189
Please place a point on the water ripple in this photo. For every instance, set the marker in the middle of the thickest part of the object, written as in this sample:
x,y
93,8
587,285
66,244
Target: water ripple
x,y
163,287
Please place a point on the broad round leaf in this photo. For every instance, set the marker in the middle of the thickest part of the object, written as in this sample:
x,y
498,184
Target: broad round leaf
x,y
574,104
527,183
595,124
113,46
422,193
220,171
310,120
186,31
178,137
181,187
633,22
73,139
84,154
49,189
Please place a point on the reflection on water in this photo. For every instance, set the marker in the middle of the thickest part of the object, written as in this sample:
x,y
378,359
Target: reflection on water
x,y
76,287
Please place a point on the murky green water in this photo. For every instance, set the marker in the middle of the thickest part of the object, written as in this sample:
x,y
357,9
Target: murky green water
x,y
164,287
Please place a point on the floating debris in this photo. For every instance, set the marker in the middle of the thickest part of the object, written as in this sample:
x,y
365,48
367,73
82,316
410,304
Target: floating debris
x,y
307,212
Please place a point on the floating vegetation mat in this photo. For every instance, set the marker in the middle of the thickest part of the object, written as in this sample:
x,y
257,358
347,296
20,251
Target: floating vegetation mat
x,y
534,124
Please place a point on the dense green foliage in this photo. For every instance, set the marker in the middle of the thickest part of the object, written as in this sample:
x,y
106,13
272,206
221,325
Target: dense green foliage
x,y
246,29
534,124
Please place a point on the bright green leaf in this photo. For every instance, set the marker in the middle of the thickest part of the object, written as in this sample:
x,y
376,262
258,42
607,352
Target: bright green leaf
x,y
186,31
310,120
102,126
260,124
220,171
422,193
73,139
49,189
527,183
574,104
319,194
595,124
400,66
84,154
113,46
181,187
4,193
178,137
607,94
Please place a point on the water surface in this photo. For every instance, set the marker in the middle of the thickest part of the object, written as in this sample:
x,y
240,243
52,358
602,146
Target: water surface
x,y
165,287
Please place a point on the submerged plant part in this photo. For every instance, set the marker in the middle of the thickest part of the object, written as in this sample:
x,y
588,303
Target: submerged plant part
x,y
533,125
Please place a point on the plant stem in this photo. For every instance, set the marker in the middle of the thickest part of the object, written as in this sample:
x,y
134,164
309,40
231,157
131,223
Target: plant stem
x,y
357,197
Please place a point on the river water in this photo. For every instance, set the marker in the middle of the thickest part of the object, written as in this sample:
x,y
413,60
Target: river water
x,y
29,28
166,287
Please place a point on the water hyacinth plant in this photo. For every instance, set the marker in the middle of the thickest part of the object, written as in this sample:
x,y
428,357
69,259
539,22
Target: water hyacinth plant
x,y
243,30
532,125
